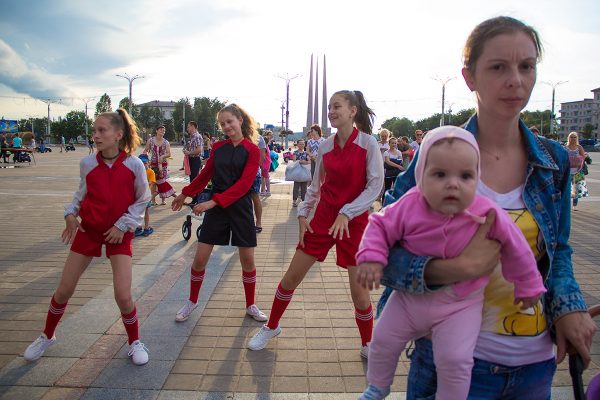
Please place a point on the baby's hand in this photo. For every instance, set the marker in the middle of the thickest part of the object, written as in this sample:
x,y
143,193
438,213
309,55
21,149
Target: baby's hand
x,y
369,275
528,302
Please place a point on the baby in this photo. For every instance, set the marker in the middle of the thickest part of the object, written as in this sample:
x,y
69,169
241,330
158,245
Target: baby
x,y
438,218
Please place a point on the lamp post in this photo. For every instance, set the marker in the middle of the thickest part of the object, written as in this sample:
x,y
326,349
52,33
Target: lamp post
x,y
86,101
130,79
443,82
287,80
552,116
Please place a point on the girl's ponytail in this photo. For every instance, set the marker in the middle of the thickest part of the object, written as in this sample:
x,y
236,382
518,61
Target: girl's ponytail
x,y
364,115
130,140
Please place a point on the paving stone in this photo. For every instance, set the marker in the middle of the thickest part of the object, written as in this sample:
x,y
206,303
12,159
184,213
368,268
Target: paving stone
x,y
119,394
121,373
22,392
44,372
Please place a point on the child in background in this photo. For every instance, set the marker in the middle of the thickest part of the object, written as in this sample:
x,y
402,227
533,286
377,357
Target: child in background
x,y
438,217
147,230
113,192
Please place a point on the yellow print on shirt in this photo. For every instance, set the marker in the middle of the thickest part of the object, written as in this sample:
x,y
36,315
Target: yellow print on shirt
x,y
500,314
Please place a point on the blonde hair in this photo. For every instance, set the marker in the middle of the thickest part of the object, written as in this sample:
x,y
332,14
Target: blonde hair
x,y
575,135
385,132
121,120
249,127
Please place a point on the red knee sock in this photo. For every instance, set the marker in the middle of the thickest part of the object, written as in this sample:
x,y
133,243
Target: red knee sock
x,y
55,313
196,278
280,303
249,279
131,325
364,321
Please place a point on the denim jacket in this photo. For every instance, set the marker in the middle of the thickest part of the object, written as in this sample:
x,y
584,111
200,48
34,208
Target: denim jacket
x,y
546,195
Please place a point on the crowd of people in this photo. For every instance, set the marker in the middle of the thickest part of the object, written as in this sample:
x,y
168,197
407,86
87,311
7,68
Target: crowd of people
x,y
474,230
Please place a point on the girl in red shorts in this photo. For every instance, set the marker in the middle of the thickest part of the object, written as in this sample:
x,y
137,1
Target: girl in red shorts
x,y
341,213
111,201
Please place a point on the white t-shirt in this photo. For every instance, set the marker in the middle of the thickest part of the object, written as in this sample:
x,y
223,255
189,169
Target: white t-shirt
x,y
511,336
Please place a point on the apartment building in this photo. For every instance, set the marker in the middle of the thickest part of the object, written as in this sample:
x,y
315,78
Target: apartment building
x,y
575,115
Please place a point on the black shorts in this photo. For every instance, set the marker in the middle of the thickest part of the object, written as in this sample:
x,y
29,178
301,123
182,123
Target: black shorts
x,y
232,225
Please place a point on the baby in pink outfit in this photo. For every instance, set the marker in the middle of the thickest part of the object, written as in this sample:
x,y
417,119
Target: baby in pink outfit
x,y
438,217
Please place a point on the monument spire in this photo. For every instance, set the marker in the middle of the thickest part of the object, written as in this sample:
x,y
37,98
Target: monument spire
x,y
309,111
325,100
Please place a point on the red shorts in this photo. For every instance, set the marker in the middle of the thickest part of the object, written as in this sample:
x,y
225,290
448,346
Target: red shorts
x,y
319,243
89,243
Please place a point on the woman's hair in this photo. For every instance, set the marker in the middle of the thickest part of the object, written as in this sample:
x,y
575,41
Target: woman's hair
x,y
575,135
122,121
316,128
385,132
249,129
491,28
364,115
159,127
194,124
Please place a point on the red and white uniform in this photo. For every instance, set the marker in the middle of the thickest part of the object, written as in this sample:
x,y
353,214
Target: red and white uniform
x,y
347,181
110,194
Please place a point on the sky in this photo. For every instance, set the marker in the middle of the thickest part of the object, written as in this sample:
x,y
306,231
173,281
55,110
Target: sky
x,y
68,52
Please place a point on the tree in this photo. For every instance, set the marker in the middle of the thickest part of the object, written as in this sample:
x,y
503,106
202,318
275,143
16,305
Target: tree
x,y
539,119
178,114
587,131
71,126
148,118
124,103
103,105
205,111
399,126
460,117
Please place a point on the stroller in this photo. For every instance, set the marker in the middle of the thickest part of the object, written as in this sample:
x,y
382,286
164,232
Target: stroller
x,y
69,147
21,157
186,228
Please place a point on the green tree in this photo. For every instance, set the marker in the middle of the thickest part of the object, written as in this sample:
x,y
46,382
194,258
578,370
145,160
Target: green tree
x,y
399,126
71,126
103,105
178,114
124,103
148,118
459,118
170,130
205,111
539,119
587,131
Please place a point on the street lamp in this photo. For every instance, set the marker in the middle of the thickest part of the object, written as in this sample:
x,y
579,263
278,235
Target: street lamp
x,y
287,80
552,116
443,82
130,79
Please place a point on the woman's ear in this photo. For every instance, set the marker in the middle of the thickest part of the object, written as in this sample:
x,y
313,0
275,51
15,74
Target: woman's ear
x,y
468,77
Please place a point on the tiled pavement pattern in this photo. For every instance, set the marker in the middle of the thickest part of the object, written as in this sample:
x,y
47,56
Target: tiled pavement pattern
x,y
316,357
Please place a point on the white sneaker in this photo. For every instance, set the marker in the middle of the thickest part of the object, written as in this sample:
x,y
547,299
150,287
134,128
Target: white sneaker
x,y
255,313
185,311
36,349
364,351
262,337
138,353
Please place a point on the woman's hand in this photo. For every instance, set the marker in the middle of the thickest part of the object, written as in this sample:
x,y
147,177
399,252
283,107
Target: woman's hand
x,y
114,235
369,274
574,332
178,202
204,206
72,226
303,226
478,259
339,227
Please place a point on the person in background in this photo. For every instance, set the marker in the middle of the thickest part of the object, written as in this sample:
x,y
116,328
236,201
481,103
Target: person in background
x,y
258,208
576,161
418,138
265,167
299,190
393,164
193,151
384,137
158,150
147,230
315,138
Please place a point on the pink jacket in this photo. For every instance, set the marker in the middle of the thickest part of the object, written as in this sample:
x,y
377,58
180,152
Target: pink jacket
x,y
423,231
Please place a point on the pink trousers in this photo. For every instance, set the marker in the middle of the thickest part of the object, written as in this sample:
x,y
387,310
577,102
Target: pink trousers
x,y
454,325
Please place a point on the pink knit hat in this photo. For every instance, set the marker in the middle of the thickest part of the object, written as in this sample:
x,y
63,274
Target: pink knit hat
x,y
434,136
